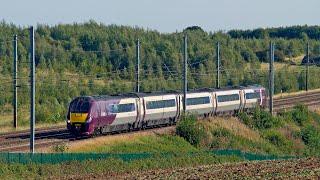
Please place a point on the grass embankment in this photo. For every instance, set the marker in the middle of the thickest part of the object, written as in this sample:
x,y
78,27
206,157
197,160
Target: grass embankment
x,y
134,143
290,133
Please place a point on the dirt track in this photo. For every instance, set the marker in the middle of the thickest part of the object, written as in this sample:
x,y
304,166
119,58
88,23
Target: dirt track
x,y
289,169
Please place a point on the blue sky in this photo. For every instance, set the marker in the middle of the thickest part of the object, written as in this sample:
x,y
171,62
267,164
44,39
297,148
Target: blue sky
x,y
165,15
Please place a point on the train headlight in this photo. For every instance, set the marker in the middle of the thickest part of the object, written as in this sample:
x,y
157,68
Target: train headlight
x,y
89,119
68,121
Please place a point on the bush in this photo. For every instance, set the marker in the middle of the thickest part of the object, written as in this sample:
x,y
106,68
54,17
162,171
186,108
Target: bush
x,y
265,120
246,119
300,115
276,138
190,130
60,148
311,137
222,138
260,119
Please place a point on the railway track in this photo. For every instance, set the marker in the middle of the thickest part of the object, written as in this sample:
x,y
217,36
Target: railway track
x,y
308,99
19,141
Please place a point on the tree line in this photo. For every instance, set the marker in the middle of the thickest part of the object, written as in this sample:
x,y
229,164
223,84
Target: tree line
x,y
93,58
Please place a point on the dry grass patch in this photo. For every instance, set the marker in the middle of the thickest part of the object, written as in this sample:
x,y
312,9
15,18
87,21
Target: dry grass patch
x,y
296,60
296,93
315,109
109,140
6,121
235,126
277,65
289,131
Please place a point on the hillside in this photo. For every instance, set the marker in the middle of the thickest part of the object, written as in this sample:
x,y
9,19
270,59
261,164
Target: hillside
x,y
92,58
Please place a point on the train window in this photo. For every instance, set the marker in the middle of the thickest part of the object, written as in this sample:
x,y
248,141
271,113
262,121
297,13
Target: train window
x,y
80,106
161,104
120,108
231,97
73,105
255,95
84,107
198,100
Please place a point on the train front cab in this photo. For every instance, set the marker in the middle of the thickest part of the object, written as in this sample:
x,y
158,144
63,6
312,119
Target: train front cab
x,y
78,118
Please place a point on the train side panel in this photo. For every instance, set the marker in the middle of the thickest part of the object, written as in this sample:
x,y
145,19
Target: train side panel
x,y
228,101
252,98
159,109
200,103
126,111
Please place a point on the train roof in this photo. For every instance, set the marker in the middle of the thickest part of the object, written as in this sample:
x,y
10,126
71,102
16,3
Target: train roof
x,y
146,94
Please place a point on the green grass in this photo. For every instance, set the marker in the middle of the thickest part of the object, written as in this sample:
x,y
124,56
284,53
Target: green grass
x,y
151,144
224,139
108,166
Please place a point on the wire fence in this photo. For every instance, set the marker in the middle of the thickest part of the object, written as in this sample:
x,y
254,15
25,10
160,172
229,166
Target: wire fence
x,y
54,158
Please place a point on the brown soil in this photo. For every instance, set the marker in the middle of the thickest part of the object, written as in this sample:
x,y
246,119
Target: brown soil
x,y
281,169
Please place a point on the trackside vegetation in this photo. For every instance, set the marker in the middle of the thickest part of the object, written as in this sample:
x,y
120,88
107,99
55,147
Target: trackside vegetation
x,y
295,132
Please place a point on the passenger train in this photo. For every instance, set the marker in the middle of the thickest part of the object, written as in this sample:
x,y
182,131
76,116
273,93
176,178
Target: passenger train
x,y
90,115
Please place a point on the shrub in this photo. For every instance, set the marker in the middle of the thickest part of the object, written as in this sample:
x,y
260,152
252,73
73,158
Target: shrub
x,y
221,132
276,138
190,130
260,119
60,148
300,115
264,120
222,138
246,119
311,136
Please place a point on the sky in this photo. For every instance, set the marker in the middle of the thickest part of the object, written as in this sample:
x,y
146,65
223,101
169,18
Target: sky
x,y
165,15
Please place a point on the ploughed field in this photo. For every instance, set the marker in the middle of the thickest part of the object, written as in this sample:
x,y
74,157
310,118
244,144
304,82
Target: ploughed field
x,y
280,169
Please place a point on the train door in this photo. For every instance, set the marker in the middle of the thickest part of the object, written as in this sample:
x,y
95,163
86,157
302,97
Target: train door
x,y
263,98
214,104
139,110
178,106
99,113
242,100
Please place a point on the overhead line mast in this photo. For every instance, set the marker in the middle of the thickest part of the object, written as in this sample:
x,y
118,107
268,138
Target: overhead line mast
x,y
185,66
33,89
15,72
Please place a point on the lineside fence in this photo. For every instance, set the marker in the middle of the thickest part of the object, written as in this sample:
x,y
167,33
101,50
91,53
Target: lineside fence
x,y
54,158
